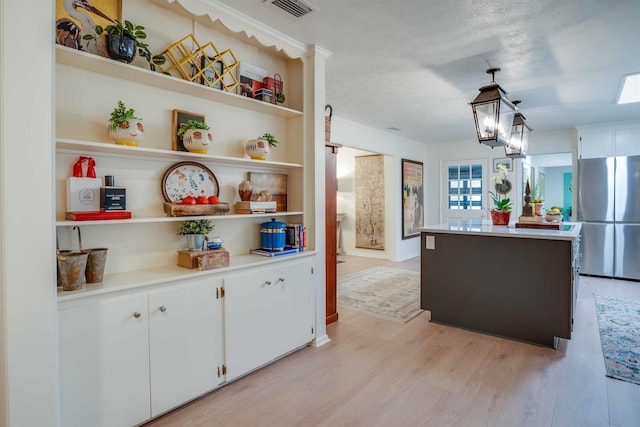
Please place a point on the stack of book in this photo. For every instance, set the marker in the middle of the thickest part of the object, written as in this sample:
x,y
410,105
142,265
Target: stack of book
x,y
296,236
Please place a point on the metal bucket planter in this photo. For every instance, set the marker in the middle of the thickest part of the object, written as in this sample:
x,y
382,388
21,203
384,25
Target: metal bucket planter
x,y
95,264
72,267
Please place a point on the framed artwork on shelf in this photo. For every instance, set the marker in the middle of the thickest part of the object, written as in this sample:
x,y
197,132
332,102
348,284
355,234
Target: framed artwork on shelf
x,y
181,117
212,74
412,198
70,29
503,161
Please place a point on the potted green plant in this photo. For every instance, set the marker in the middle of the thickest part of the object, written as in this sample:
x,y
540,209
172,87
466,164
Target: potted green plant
x,y
123,38
124,127
193,138
501,212
195,230
259,148
536,200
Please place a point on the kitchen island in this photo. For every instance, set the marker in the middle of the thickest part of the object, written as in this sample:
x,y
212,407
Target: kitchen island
x,y
516,283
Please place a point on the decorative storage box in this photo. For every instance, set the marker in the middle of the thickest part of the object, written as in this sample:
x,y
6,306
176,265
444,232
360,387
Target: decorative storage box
x,y
264,95
113,198
83,194
268,83
211,259
191,259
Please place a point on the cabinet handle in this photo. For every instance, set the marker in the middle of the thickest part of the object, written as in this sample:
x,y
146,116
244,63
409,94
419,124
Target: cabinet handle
x,y
163,308
136,314
281,279
268,282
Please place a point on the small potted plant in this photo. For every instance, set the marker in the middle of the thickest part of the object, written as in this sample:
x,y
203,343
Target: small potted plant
x,y
195,230
124,127
501,212
536,201
259,149
193,137
123,38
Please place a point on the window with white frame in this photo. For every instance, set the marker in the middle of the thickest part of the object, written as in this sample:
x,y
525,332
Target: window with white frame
x,y
464,184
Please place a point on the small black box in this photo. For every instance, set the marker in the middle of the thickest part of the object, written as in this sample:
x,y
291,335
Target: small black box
x,y
113,198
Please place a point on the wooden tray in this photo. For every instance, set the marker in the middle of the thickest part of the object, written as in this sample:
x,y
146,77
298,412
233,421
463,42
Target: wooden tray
x,y
547,225
177,209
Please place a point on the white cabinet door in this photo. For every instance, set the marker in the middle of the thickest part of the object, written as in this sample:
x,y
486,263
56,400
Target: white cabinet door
x,y
628,142
596,144
268,312
185,341
104,363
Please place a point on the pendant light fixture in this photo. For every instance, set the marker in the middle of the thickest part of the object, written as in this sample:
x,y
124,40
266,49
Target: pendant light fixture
x,y
493,113
520,133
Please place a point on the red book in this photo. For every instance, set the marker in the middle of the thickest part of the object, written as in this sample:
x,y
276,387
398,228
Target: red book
x,y
99,215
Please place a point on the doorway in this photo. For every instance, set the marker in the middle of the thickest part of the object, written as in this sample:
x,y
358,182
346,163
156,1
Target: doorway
x,y
464,189
551,180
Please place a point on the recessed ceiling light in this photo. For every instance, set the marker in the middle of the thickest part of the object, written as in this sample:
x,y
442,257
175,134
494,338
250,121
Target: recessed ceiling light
x,y
629,89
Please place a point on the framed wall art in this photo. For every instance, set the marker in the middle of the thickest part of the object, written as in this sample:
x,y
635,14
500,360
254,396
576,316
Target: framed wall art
x,y
181,117
369,190
412,198
70,30
503,161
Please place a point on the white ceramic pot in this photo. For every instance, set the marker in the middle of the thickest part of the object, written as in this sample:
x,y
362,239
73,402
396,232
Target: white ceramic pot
x,y
197,140
257,149
129,133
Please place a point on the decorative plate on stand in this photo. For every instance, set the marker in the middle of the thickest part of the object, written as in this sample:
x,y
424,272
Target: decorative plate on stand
x,y
190,179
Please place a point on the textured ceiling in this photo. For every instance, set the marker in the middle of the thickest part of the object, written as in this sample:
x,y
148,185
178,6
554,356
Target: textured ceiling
x,y
416,64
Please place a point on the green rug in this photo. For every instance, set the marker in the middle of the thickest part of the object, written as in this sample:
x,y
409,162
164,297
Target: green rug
x,y
619,322
388,293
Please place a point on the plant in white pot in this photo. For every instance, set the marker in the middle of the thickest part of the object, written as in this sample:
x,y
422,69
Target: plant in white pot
x,y
258,149
195,230
195,136
124,127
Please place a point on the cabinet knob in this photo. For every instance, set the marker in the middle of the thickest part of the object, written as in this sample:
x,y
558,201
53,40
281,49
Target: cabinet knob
x,y
268,282
281,279
163,308
136,314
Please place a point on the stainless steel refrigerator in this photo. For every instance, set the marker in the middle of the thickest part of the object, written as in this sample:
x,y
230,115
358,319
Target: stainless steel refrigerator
x,y
609,208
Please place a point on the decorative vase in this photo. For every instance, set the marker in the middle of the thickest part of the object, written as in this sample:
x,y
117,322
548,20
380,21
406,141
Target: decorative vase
x,y
257,149
500,217
197,140
129,133
537,209
245,190
195,242
121,48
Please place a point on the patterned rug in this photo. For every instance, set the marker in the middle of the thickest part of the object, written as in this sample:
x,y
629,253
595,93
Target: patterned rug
x,y
388,293
619,322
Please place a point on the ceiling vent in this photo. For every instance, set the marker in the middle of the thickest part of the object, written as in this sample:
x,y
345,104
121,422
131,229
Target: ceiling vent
x,y
295,8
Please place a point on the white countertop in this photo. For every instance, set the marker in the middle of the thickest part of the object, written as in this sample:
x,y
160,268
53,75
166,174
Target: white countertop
x,y
570,230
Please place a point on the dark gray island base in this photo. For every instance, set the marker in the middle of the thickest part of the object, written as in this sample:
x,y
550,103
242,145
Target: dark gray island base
x,y
514,283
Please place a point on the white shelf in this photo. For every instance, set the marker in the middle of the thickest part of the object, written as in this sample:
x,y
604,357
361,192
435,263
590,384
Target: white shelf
x,y
109,67
151,220
73,145
117,282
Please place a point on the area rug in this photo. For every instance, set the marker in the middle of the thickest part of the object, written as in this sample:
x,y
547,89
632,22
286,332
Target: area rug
x,y
388,293
619,322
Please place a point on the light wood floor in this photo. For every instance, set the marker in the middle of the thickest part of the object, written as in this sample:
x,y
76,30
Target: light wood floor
x,y
379,373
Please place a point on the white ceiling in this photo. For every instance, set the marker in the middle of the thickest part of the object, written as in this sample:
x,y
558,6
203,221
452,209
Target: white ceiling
x,y
416,64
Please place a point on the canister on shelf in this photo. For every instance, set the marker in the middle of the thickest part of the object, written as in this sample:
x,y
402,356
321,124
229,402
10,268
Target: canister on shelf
x,y
272,235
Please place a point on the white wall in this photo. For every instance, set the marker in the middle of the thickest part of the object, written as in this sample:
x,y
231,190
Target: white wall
x,y
28,364
541,143
346,200
396,148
